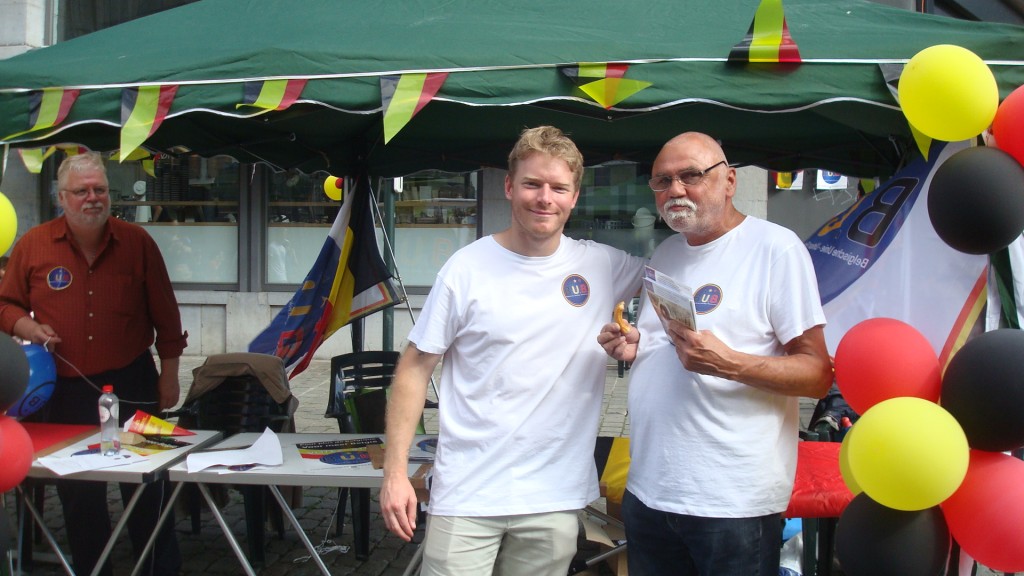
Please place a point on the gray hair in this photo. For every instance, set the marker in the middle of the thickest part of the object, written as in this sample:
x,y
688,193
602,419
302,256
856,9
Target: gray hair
x,y
80,163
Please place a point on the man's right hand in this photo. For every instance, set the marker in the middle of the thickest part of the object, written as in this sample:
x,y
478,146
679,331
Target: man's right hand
x,y
398,505
31,331
619,346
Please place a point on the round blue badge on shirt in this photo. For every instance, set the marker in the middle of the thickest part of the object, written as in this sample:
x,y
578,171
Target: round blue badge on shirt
x,y
576,289
707,298
59,278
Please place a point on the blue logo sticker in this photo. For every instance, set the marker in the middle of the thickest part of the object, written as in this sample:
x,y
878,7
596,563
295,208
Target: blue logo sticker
x,y
830,177
707,298
576,290
346,457
59,278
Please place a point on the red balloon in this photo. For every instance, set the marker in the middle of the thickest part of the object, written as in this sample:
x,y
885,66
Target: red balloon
x,y
15,453
883,358
1008,126
986,514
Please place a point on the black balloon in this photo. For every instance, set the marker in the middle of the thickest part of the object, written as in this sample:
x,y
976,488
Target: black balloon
x,y
13,372
976,200
875,540
983,388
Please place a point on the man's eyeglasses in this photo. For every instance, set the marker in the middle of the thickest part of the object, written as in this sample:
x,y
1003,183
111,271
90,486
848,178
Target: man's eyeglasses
x,y
83,192
686,178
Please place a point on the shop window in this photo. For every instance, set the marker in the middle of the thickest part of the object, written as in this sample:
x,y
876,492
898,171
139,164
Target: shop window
x,y
189,205
299,217
436,213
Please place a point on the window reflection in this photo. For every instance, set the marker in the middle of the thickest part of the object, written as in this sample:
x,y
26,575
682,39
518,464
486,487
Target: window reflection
x,y
299,217
189,205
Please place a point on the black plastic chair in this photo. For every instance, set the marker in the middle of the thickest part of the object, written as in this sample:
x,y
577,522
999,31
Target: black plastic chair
x,y
358,400
239,403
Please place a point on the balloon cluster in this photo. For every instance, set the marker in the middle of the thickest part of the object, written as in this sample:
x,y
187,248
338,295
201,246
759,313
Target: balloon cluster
x,y
976,199
15,444
926,459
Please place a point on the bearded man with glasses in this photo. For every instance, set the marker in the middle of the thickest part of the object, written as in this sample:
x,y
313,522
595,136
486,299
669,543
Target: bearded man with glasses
x,y
95,291
714,412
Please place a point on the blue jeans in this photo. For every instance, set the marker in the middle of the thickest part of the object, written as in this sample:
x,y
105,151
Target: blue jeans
x,y
662,543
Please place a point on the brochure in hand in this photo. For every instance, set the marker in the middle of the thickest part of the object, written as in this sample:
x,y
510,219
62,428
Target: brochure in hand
x,y
670,300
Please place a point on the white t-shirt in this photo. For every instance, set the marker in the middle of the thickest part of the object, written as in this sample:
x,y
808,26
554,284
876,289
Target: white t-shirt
x,y
707,446
523,375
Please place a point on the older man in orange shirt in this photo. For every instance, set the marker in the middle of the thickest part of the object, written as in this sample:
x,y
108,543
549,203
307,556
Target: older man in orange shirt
x,y
95,291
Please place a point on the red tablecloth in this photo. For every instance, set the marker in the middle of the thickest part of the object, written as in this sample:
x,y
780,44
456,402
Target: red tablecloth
x,y
56,435
819,490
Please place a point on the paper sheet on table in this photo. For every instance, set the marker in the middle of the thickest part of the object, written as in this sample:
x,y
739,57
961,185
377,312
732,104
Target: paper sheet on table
x,y
265,450
88,460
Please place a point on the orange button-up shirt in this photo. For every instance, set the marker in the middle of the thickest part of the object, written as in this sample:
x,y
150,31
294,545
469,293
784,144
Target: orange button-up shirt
x,y
106,314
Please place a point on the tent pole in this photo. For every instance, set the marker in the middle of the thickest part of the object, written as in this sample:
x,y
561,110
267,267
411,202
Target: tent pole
x,y
388,227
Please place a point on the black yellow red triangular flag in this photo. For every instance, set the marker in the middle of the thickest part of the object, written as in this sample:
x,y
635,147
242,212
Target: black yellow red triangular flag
x,y
404,96
272,94
33,158
768,39
142,111
50,106
47,108
605,83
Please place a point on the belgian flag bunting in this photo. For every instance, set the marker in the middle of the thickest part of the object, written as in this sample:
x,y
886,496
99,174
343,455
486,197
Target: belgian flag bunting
x,y
605,83
142,110
768,38
33,158
272,94
402,97
47,108
50,106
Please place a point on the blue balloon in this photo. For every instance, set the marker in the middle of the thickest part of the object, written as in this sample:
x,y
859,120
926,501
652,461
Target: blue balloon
x,y
42,378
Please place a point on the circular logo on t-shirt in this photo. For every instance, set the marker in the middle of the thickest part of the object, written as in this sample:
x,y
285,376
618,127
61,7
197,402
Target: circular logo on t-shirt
x,y
707,298
576,289
59,278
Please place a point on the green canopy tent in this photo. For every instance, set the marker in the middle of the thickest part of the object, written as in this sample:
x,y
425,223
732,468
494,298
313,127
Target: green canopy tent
x,y
505,63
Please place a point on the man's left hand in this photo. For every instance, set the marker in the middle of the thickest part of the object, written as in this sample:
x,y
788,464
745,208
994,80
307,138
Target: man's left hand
x,y
701,352
168,388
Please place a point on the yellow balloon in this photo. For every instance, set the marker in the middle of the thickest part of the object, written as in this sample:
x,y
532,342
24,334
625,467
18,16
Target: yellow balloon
x,y
844,463
908,453
948,93
332,187
8,224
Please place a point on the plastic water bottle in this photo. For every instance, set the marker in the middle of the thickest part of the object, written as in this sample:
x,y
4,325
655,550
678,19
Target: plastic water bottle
x,y
110,438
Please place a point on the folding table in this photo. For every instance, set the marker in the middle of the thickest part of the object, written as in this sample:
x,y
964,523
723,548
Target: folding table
x,y
64,440
294,471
